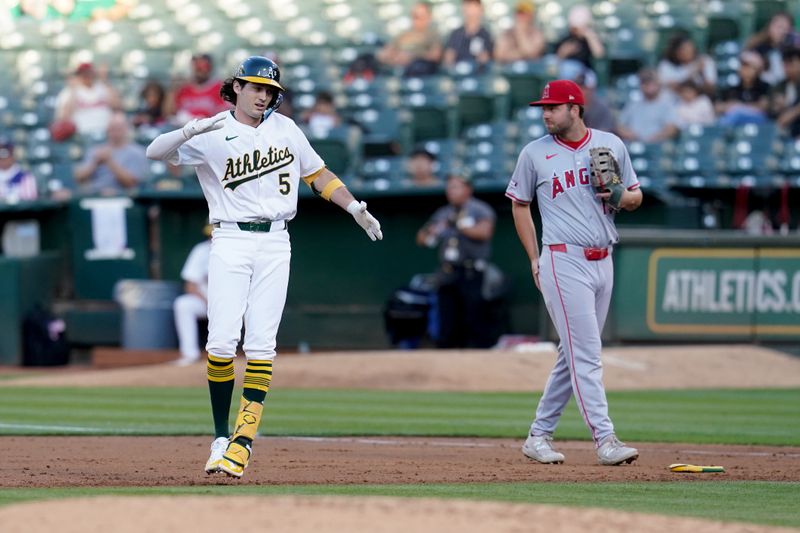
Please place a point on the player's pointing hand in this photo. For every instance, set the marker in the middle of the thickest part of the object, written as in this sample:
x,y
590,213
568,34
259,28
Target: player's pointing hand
x,y
197,126
365,219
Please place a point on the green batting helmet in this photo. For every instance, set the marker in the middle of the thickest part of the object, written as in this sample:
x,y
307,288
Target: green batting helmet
x,y
257,69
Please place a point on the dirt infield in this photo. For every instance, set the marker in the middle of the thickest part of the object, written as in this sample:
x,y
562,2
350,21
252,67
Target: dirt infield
x,y
142,461
41,462
327,514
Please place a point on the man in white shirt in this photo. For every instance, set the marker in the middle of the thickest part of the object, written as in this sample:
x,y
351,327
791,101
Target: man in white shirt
x,y
193,304
651,119
249,162
88,101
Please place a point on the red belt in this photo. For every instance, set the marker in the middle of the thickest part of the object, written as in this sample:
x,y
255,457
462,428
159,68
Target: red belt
x,y
591,254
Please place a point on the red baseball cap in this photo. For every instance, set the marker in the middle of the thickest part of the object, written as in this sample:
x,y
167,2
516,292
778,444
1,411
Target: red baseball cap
x,y
560,92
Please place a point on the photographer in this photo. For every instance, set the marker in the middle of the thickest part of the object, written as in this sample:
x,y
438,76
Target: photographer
x,y
462,230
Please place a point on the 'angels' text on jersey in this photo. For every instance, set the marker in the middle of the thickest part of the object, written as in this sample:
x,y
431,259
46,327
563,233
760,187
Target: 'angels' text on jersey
x,y
558,175
568,180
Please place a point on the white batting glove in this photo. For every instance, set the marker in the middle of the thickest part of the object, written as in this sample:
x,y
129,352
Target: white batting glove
x,y
365,219
204,125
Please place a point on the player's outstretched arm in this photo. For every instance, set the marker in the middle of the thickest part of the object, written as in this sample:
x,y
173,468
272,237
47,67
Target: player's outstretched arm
x,y
331,188
166,144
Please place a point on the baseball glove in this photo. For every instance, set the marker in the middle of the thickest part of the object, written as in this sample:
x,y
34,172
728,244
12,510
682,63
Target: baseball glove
x,y
605,175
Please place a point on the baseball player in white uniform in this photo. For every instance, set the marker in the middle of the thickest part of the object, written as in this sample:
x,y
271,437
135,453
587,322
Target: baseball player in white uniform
x,y
574,272
249,162
193,304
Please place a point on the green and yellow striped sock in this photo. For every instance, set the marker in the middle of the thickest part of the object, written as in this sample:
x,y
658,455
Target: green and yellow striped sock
x,y
220,389
257,377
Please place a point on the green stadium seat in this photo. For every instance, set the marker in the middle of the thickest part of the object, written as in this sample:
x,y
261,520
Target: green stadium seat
x,y
447,152
381,130
335,148
525,82
479,101
428,117
383,168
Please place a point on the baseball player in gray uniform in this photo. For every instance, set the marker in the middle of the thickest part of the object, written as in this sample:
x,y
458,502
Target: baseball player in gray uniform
x,y
574,272
249,162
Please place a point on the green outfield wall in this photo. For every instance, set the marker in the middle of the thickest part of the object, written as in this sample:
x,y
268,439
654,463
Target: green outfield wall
x,y
694,285
673,282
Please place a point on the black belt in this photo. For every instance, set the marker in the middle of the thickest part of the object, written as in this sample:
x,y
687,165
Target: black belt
x,y
263,226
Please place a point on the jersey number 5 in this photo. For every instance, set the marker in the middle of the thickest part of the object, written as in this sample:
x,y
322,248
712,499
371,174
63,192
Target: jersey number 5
x,y
284,185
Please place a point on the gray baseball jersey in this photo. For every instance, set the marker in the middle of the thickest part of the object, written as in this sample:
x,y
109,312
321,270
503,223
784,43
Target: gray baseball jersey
x,y
576,288
559,176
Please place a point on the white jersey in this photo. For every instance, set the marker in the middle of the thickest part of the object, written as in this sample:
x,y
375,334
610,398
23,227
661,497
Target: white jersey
x,y
249,173
195,270
559,176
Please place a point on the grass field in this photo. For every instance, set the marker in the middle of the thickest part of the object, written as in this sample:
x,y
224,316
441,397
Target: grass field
x,y
761,417
758,417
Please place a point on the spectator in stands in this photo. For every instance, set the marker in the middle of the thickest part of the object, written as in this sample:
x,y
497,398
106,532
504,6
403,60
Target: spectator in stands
x,y
199,97
116,166
651,119
417,50
770,43
16,183
747,101
462,230
693,106
151,106
597,112
472,42
524,41
421,169
363,67
322,117
88,101
682,62
785,97
193,304
581,44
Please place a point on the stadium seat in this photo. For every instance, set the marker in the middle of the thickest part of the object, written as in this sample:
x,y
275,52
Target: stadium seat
x,y
383,168
428,117
525,83
447,153
335,148
381,130
480,100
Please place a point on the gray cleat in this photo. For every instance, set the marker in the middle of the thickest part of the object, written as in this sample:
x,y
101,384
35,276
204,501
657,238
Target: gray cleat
x,y
539,449
613,452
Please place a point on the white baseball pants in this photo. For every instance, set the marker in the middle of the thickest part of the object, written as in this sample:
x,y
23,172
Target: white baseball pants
x,y
248,275
187,309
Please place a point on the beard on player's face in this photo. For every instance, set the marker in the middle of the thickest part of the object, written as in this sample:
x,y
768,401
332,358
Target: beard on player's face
x,y
560,127
559,120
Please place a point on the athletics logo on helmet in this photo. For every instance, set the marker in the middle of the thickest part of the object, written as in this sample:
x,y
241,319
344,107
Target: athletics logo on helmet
x,y
560,92
257,69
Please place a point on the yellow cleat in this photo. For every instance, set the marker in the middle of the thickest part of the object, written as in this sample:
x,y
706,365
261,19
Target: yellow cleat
x,y
235,459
